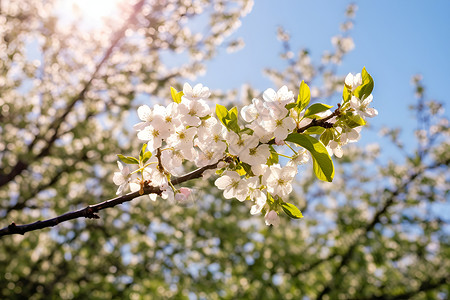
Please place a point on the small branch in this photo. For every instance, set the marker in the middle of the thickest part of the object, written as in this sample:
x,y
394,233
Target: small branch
x,y
321,122
91,211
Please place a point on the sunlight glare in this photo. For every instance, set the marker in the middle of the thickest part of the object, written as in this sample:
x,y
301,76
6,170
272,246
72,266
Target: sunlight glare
x,y
91,11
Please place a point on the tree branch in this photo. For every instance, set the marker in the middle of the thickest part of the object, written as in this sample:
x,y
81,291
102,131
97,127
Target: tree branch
x,y
91,211
321,123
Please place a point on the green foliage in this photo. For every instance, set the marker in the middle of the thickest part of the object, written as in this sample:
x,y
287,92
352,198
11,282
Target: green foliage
x,y
128,159
354,120
144,156
366,88
322,163
327,136
228,118
304,96
176,96
291,210
346,94
273,158
315,109
314,130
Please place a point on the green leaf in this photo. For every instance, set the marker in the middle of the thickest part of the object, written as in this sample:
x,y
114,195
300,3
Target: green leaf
x,y
291,210
240,170
233,120
222,114
228,118
146,157
290,105
176,96
314,130
326,136
366,88
355,121
273,158
247,168
220,171
141,153
233,113
316,108
322,163
270,198
128,159
304,96
346,94
247,131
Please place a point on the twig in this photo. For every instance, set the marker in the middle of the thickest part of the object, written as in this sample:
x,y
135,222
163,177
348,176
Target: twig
x,y
91,211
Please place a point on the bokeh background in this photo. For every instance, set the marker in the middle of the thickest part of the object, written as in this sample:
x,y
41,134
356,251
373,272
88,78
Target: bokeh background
x,y
73,74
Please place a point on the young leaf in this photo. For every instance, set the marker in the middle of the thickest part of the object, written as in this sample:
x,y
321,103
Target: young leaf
x,y
326,136
247,168
355,121
304,96
346,94
240,170
141,153
128,159
290,105
366,88
233,113
228,118
270,198
291,210
146,156
222,114
232,123
323,165
273,158
316,108
176,96
314,130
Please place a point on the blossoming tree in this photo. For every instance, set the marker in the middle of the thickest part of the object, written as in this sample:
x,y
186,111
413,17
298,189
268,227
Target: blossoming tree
x,y
63,119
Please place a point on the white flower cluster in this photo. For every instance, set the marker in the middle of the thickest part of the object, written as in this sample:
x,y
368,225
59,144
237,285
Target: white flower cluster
x,y
346,134
244,156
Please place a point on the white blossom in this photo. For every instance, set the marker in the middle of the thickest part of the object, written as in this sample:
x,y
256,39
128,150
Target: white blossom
x,y
361,106
192,110
122,178
196,93
238,144
279,180
255,156
335,148
353,81
302,157
280,127
232,185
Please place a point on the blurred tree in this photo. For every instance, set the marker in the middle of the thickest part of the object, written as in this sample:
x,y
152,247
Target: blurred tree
x,y
65,96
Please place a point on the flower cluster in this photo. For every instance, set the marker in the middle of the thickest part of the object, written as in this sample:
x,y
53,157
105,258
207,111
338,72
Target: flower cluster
x,y
245,156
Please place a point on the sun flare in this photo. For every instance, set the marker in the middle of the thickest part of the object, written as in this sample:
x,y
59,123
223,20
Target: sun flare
x,y
91,11
97,8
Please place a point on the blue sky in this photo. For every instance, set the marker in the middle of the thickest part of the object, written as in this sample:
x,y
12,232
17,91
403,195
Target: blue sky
x,y
394,40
